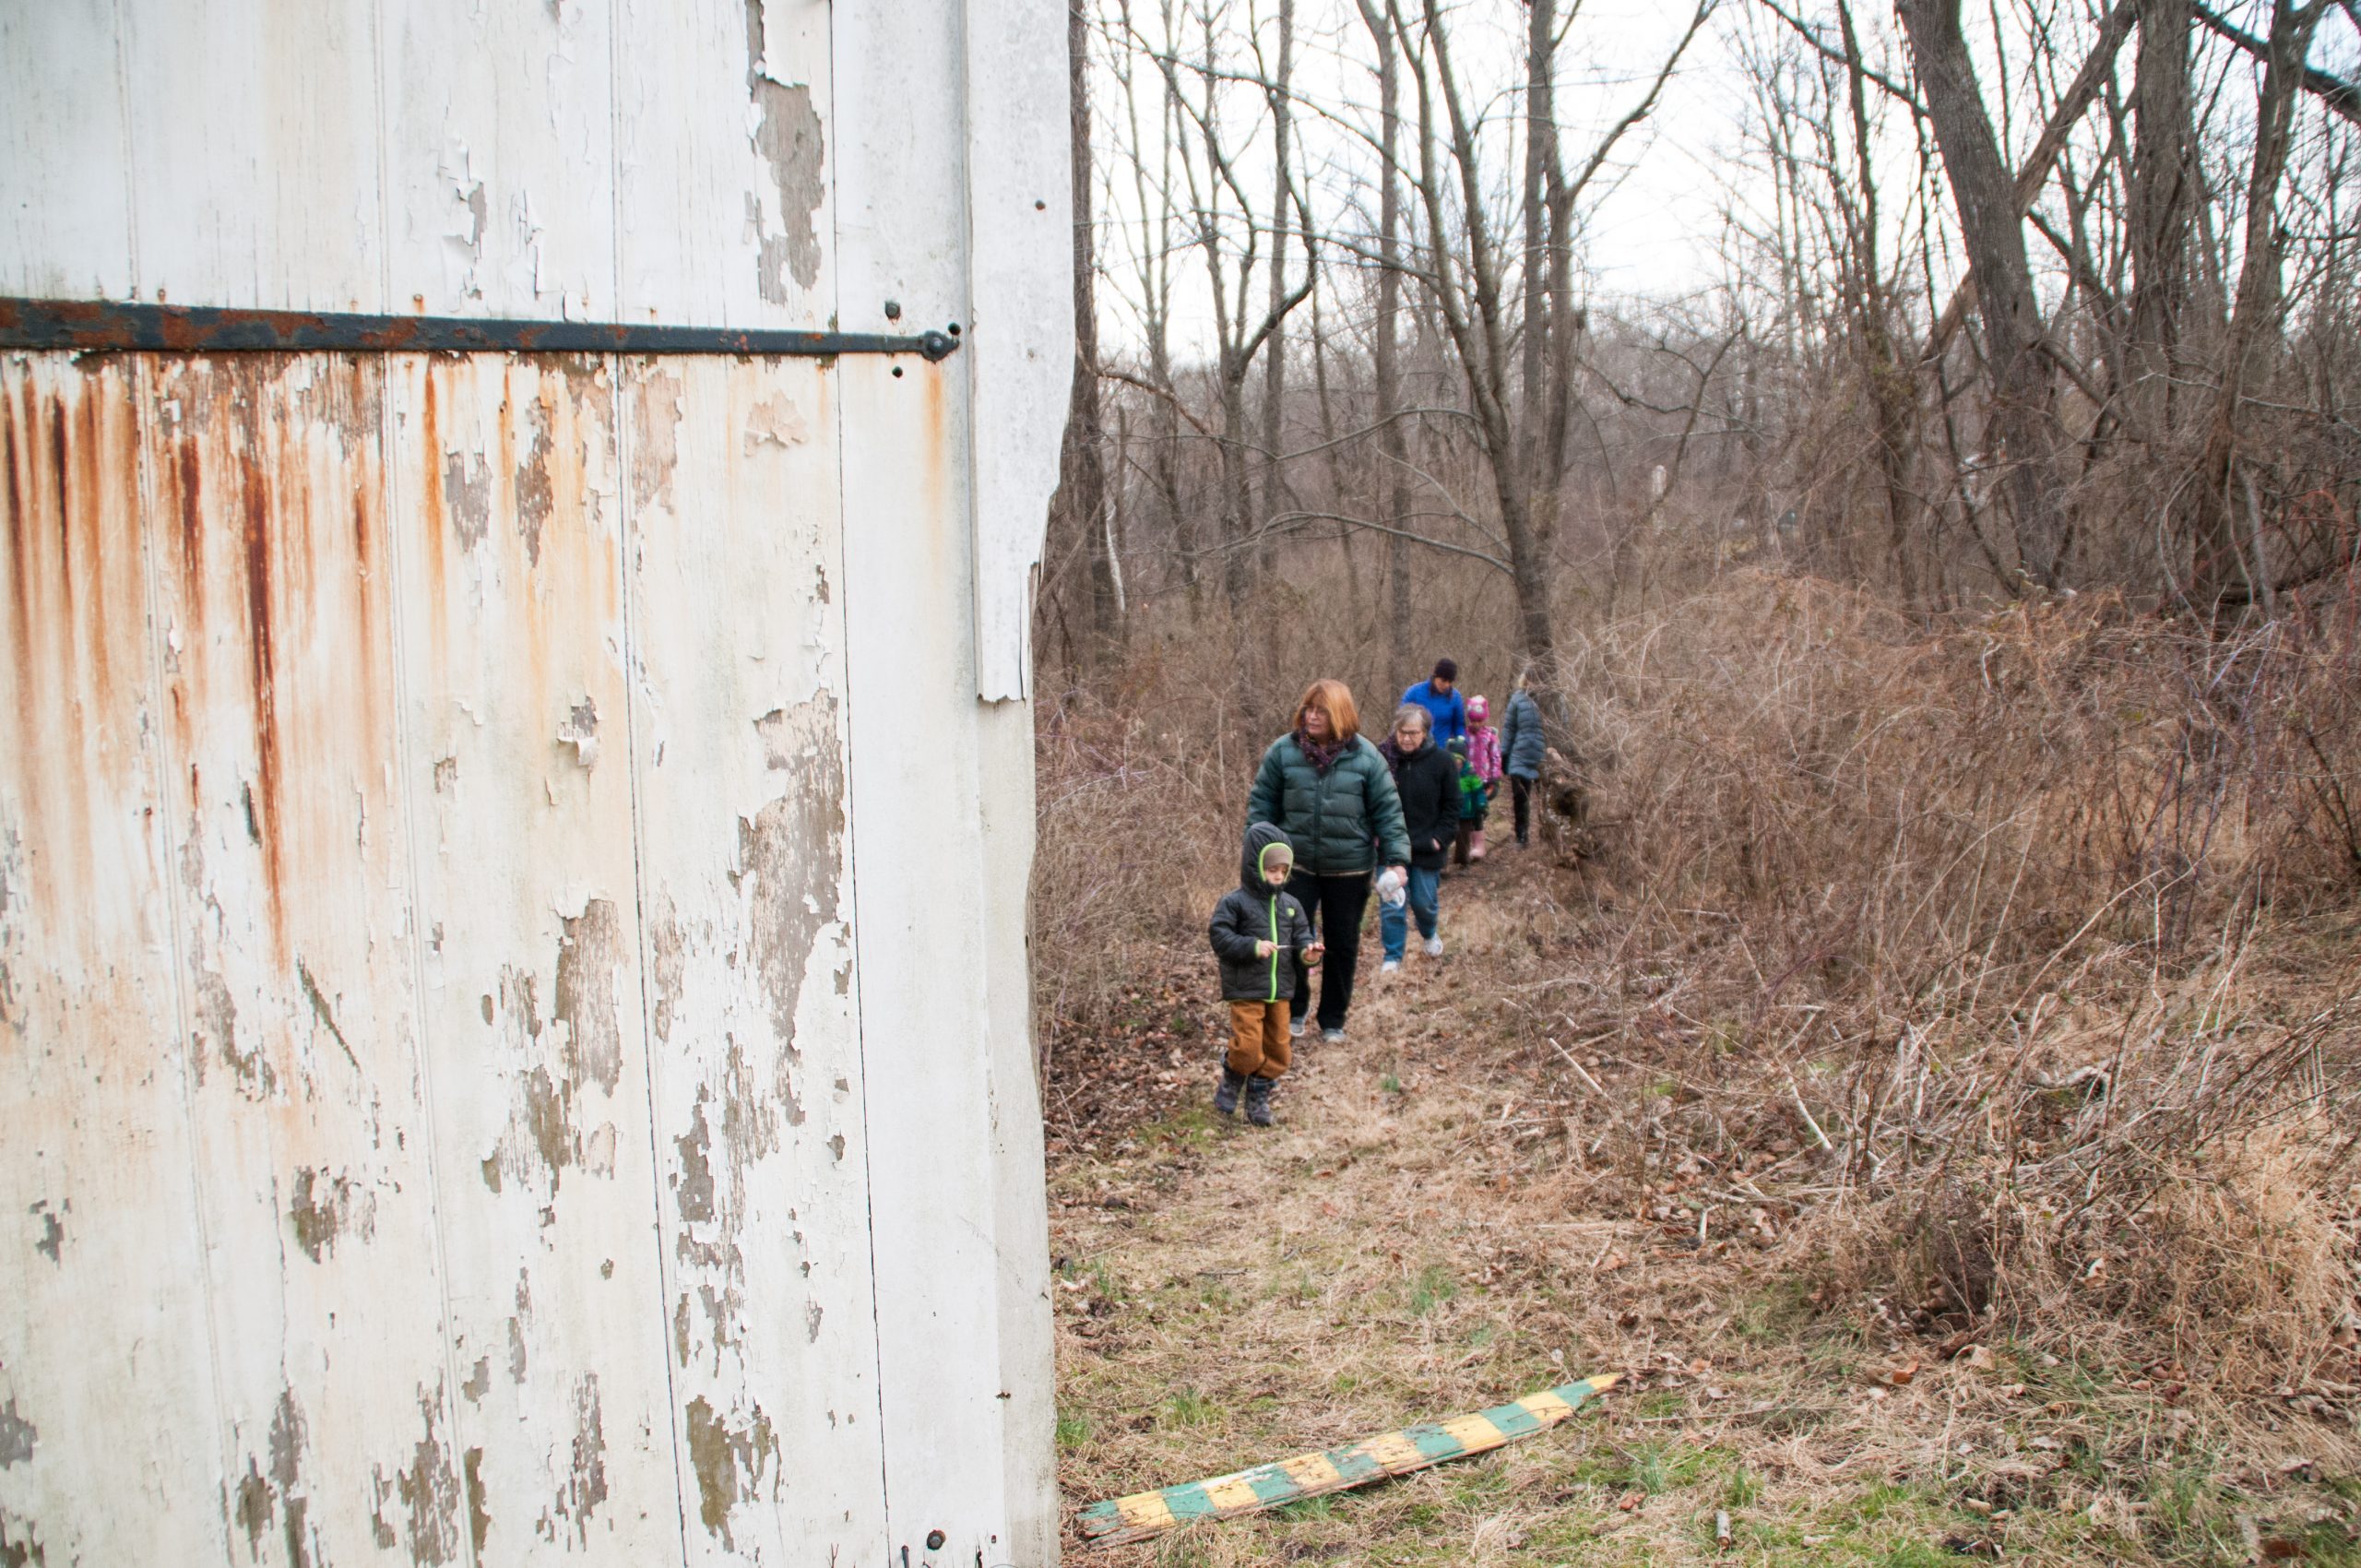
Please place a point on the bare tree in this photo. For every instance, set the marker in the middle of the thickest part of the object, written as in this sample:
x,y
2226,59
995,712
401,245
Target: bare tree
x,y
1229,235
2231,571
2024,420
1079,536
1384,355
1469,278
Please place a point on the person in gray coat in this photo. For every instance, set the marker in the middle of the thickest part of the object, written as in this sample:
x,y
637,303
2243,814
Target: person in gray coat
x,y
1521,750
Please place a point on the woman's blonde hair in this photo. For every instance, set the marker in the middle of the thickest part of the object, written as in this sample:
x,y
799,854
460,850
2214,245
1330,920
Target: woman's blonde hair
x,y
1335,699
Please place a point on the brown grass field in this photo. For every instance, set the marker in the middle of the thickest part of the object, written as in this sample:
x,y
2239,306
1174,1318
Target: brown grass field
x,y
1929,1071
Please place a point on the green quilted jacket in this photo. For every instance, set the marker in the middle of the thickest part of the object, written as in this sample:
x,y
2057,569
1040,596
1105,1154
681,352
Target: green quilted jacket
x,y
1346,820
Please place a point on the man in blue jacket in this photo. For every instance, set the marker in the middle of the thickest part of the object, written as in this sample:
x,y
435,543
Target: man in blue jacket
x,y
1439,696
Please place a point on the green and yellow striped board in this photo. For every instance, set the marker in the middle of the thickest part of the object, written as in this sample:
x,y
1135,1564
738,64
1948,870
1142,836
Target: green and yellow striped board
x,y
1336,1470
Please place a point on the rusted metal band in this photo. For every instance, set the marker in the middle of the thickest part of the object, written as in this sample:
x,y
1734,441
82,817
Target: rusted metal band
x,y
117,326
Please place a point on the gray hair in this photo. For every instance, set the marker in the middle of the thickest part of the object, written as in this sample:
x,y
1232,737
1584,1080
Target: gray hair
x,y
1426,720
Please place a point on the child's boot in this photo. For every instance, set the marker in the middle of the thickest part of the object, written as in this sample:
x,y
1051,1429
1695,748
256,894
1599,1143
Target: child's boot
x,y
1474,845
1258,1100
1226,1096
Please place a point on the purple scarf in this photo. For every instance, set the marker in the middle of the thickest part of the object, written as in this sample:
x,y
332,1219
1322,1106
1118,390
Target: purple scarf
x,y
1320,755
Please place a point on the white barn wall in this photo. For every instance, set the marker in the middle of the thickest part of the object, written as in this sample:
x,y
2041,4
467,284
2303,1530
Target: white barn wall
x,y
514,1038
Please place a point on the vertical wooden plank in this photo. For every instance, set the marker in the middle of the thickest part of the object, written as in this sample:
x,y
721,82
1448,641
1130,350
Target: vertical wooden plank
x,y
932,832
255,137
67,230
738,737
109,1450
498,148
274,584
924,1019
509,538
723,112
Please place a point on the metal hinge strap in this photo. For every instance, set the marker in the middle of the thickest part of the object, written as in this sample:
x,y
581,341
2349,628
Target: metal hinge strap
x,y
117,327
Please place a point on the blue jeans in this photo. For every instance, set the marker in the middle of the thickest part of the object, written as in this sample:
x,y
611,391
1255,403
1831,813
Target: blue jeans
x,y
1426,889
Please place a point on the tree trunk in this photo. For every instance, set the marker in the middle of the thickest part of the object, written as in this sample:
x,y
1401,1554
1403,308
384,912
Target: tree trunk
x,y
2023,427
1892,391
1274,362
1237,559
1535,452
2162,195
1077,513
1393,478
2229,572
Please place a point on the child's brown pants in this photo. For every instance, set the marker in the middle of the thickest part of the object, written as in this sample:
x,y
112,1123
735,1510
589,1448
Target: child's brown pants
x,y
1258,1038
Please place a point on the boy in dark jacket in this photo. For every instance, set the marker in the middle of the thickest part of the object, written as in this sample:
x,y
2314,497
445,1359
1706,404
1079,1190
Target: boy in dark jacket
x,y
1259,933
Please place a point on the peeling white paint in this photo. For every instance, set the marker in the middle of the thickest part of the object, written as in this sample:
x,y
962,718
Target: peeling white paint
x,y
460,1102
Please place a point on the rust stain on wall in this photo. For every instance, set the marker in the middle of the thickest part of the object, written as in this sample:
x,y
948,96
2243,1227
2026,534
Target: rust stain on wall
x,y
73,602
253,496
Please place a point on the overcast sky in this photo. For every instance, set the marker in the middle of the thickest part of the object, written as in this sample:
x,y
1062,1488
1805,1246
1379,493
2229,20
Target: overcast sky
x,y
1656,231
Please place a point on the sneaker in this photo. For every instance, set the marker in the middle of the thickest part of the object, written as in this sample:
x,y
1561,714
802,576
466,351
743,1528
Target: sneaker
x,y
1333,1037
1226,1096
1434,946
1296,1027
1391,967
1258,1101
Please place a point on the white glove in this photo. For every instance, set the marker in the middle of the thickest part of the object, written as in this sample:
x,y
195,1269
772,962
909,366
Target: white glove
x,y
1393,887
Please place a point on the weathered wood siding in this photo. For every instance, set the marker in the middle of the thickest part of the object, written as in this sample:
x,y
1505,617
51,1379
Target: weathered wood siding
x,y
513,1037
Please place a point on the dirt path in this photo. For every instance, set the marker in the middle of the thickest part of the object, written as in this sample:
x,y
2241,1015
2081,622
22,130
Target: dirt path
x,y
1421,1237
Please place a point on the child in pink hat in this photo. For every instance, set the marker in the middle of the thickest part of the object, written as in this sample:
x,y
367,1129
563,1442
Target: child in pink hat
x,y
1481,777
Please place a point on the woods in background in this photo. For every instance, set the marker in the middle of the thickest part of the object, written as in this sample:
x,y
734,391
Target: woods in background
x,y
2043,298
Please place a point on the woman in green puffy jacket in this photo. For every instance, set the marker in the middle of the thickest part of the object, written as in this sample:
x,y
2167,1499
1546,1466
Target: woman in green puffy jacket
x,y
1333,794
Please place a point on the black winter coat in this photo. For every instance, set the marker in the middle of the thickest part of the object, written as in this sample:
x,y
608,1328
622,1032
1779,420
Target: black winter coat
x,y
1255,911
1427,781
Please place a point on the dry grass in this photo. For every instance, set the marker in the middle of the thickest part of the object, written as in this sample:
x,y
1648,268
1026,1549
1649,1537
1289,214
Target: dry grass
x,y
1981,1001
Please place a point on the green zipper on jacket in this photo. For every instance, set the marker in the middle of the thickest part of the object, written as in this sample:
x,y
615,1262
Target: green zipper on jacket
x,y
1274,948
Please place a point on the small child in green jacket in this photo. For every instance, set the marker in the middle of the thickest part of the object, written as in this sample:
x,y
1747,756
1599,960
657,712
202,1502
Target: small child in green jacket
x,y
1258,930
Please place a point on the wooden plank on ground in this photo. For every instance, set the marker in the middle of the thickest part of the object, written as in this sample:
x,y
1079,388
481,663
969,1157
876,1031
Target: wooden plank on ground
x,y
1146,1513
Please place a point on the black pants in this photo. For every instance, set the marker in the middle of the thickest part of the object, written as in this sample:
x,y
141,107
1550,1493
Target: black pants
x,y
1336,905
1521,792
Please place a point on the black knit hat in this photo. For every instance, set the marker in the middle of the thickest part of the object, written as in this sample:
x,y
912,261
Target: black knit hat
x,y
1446,669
